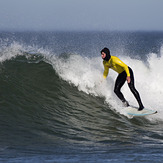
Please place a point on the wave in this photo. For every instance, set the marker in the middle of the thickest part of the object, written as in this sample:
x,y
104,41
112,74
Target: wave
x,y
85,73
59,101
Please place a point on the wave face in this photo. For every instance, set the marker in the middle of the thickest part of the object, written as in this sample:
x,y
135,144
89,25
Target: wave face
x,y
53,106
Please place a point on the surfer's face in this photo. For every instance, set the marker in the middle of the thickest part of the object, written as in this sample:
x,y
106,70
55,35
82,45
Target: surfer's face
x,y
103,55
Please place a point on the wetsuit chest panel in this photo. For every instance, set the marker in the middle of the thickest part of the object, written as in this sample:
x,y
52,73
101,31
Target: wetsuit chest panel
x,y
116,68
116,64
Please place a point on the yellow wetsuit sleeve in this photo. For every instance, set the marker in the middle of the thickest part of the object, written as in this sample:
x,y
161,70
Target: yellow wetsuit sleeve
x,y
124,66
106,71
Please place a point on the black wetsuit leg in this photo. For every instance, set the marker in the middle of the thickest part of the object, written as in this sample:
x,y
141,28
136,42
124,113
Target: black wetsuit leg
x,y
120,82
134,91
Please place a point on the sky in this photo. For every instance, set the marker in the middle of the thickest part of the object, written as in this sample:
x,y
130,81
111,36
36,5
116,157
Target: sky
x,y
81,15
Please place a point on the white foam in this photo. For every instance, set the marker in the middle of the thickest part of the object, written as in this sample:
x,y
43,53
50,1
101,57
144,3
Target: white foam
x,y
86,74
11,51
14,49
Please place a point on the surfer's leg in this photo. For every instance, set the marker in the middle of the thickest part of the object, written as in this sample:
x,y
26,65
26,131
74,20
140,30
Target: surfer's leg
x,y
134,91
118,84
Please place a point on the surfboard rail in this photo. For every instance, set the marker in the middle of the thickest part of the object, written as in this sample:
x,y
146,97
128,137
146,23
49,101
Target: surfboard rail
x,y
133,111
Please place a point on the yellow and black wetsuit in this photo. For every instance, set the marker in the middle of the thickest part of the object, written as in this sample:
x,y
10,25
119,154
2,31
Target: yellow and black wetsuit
x,y
123,70
116,64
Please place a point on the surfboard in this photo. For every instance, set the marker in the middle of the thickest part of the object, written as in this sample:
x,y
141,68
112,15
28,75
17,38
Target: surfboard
x,y
133,111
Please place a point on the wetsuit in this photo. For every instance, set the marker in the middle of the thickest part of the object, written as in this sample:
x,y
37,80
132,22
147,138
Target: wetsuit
x,y
123,70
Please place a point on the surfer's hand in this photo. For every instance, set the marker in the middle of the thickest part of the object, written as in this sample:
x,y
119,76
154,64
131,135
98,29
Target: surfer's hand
x,y
128,79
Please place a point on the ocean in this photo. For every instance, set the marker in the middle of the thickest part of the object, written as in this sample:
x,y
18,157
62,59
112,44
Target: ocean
x,y
54,107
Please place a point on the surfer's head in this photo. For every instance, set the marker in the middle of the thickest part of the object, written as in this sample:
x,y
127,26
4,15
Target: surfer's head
x,y
105,53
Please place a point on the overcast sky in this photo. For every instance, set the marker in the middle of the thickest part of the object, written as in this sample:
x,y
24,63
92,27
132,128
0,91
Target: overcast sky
x,y
81,15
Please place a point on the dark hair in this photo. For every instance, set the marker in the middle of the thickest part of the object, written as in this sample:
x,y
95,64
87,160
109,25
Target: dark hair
x,y
107,52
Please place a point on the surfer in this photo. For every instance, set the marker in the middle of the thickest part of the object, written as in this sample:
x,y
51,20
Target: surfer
x,y
125,73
